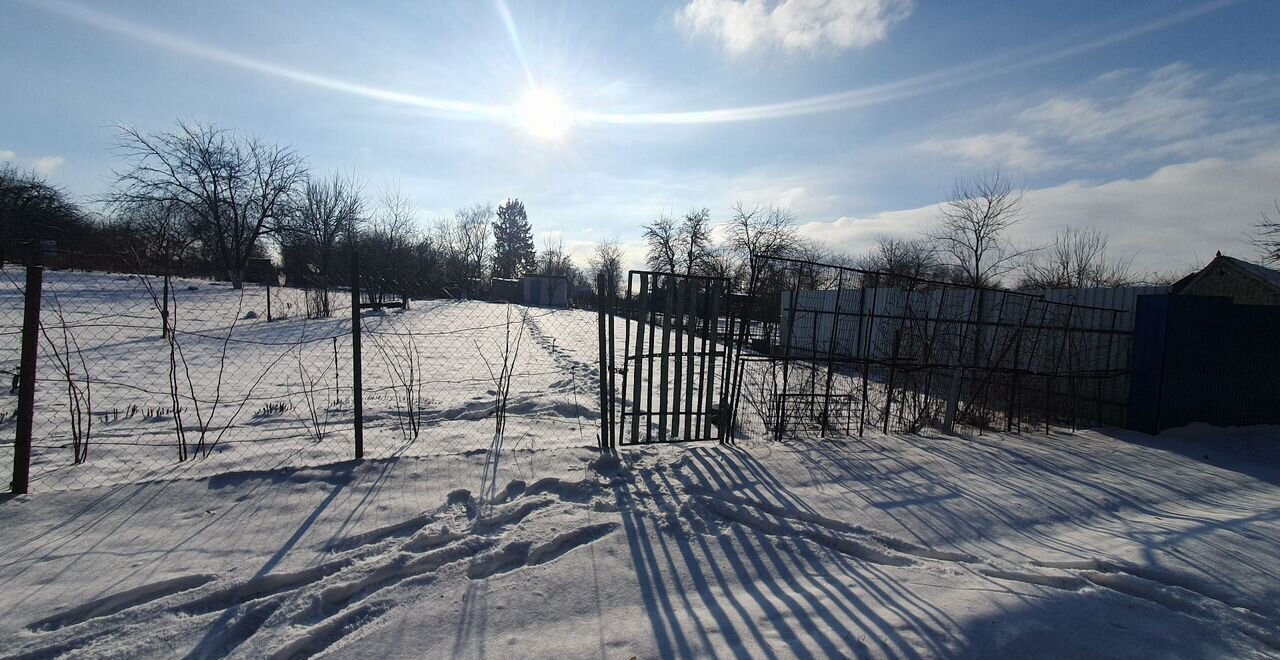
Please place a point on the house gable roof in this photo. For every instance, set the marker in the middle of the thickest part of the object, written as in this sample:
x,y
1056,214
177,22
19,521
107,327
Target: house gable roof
x,y
1267,276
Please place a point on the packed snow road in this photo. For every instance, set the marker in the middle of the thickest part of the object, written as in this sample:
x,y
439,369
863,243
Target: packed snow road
x,y
1071,545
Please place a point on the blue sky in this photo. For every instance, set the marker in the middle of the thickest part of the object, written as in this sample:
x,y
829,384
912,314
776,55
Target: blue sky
x,y
1156,121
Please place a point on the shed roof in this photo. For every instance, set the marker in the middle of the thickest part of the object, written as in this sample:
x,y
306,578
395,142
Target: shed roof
x,y
1267,276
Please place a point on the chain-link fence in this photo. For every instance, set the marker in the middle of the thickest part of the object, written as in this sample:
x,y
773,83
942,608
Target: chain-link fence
x,y
460,375
144,377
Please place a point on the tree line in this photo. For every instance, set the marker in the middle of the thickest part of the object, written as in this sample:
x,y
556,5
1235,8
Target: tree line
x,y
202,200
205,200
969,243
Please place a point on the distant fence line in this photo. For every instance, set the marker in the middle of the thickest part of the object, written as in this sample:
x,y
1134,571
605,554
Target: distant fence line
x,y
146,377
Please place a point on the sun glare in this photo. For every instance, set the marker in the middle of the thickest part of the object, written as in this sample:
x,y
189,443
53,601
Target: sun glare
x,y
544,115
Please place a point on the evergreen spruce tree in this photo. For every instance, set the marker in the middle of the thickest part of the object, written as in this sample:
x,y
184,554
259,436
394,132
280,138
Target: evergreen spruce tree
x,y
513,241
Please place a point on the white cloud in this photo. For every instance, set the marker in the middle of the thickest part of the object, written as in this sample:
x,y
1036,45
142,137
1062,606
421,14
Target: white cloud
x,y
1173,220
1173,112
46,165
1007,148
1172,104
793,25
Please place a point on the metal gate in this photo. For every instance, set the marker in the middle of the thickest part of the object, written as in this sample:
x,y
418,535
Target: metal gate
x,y
675,382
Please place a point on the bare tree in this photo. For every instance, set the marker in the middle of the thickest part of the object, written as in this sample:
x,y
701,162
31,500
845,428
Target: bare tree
x,y
387,246
1077,259
240,188
606,259
396,215
327,211
905,260
159,235
695,240
973,226
679,245
33,209
472,238
554,260
506,357
759,233
662,237
1268,239
718,262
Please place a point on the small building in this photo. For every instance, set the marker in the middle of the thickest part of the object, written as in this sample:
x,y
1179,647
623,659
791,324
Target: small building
x,y
506,290
546,290
1243,282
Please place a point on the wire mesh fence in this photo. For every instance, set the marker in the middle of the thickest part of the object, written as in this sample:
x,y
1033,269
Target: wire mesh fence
x,y
144,377
459,375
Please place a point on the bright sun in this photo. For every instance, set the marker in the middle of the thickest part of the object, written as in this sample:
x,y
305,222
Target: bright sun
x,y
544,115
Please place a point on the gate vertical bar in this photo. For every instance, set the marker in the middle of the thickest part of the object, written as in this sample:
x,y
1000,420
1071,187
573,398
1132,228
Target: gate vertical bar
x,y
1014,389
643,304
893,358
27,380
653,334
612,356
668,296
713,404
626,354
691,297
1031,358
677,383
703,332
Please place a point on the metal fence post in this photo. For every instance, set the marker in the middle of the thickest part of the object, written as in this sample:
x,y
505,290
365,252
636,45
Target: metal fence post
x,y
357,398
602,342
27,381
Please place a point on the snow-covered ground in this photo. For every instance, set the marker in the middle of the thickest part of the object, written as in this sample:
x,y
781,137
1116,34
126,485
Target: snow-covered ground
x,y
1071,545
454,543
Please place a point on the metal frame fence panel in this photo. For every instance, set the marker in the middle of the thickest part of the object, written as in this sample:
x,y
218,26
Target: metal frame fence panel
x,y
927,352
